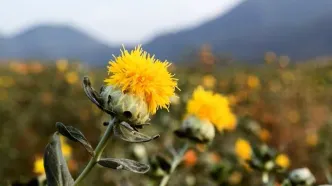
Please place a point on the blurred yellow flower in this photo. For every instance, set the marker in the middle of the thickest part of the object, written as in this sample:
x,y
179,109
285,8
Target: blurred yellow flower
x,y
46,98
243,149
312,139
36,67
66,149
253,82
283,161
62,65
6,81
20,68
235,178
264,135
3,95
209,81
213,107
39,166
72,77
270,57
138,73
293,116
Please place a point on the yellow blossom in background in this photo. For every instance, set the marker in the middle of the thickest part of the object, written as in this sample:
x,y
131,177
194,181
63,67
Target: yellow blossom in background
x,y
6,81
264,135
312,139
201,147
243,149
19,68
283,161
209,81
66,149
72,77
213,107
46,98
232,99
235,178
3,95
270,57
138,73
293,116
253,82
36,67
62,65
39,166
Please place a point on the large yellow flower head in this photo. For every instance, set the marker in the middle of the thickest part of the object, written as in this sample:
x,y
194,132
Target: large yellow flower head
x,y
138,73
213,107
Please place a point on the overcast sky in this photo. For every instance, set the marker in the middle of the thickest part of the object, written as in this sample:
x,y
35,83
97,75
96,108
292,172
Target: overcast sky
x,y
112,21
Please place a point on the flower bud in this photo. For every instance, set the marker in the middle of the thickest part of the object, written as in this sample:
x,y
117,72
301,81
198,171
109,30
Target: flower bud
x,y
201,131
302,176
129,108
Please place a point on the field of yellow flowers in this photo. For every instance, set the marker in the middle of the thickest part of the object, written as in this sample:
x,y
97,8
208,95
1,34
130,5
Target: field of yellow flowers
x,y
276,114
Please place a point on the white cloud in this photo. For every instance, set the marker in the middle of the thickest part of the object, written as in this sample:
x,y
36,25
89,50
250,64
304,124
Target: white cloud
x,y
114,21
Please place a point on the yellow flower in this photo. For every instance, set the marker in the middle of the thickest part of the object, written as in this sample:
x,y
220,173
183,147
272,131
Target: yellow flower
x,y
264,135
138,73
209,81
312,139
235,178
243,149
283,161
253,82
36,67
62,65
212,107
72,77
39,166
66,149
6,81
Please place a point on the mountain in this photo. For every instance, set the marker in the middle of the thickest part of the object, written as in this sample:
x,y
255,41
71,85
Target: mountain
x,y
300,29
53,42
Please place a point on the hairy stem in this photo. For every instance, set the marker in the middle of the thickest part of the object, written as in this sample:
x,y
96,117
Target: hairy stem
x,y
98,152
177,160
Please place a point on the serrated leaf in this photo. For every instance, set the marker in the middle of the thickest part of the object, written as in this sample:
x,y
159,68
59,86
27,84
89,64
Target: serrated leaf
x,y
94,96
57,172
125,164
131,135
75,135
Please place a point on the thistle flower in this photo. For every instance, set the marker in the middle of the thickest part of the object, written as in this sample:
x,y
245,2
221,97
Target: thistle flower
x,y
283,161
140,74
243,149
212,107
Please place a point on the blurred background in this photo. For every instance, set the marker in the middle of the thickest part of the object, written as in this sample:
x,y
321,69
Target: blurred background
x,y
272,59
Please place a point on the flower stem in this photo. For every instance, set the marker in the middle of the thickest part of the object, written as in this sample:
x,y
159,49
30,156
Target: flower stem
x,y
98,152
177,160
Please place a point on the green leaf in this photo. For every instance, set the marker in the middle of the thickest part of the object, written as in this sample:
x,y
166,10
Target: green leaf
x,y
130,135
125,164
56,169
75,135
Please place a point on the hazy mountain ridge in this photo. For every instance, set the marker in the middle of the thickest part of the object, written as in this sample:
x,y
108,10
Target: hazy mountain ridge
x,y
300,29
